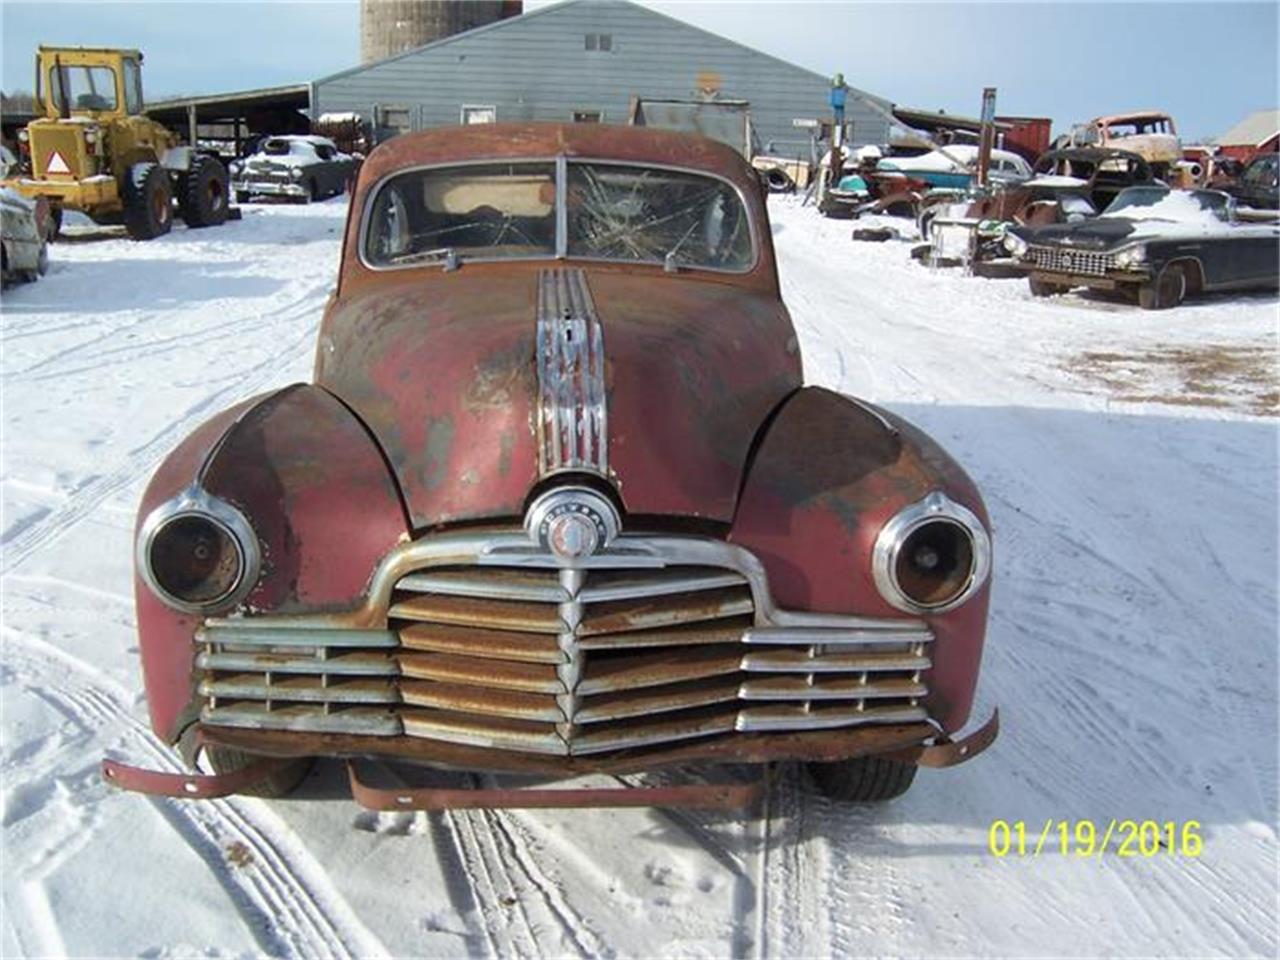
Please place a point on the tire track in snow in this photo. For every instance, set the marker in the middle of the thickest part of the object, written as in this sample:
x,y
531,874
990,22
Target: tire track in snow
x,y
282,893
86,498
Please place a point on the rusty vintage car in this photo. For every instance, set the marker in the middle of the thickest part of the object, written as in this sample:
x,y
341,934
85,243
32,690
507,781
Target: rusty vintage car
x,y
558,502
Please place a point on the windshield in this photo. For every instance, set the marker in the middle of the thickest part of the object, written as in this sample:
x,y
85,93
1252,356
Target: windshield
x,y
82,88
509,210
1178,206
490,210
655,216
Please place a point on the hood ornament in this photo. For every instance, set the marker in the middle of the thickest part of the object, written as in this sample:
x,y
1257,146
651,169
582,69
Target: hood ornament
x,y
572,523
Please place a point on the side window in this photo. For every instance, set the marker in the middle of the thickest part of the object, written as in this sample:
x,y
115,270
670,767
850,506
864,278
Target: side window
x,y
324,151
132,88
588,116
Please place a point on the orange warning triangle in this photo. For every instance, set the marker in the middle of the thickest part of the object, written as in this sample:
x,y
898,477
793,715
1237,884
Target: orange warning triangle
x,y
56,164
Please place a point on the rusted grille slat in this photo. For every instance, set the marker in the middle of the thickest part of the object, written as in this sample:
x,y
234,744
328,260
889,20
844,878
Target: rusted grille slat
x,y
697,634
639,703
491,583
606,586
490,614
647,614
371,721
500,674
789,717
785,687
484,731
342,664
628,734
488,644
460,698
251,635
309,689
655,669
799,661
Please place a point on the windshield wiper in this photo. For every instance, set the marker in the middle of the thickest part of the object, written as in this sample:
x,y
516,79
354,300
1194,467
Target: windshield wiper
x,y
448,254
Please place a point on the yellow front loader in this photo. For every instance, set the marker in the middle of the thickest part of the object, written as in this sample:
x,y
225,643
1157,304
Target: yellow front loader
x,y
94,150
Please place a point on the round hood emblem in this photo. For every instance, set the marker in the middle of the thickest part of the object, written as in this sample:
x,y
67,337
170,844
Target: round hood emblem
x,y
572,523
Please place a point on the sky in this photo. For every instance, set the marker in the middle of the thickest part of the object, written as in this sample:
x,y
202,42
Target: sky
x,y
1209,64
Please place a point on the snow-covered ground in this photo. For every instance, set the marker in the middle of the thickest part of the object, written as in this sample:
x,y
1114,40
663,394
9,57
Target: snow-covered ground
x,y
1133,646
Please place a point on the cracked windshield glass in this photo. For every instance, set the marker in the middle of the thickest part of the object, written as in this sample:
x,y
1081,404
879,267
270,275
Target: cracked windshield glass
x,y
637,214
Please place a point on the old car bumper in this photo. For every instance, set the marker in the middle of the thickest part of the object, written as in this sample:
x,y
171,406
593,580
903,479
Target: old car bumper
x,y
270,188
917,744
1111,280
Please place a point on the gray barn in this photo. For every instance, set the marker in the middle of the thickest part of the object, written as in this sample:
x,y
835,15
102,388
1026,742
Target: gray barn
x,y
587,60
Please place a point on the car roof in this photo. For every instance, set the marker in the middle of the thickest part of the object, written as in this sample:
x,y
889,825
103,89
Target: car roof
x,y
513,141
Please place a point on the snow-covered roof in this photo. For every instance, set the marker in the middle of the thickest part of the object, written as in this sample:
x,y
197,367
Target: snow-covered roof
x,y
1253,131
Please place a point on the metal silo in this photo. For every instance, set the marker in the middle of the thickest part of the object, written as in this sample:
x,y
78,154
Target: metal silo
x,y
388,27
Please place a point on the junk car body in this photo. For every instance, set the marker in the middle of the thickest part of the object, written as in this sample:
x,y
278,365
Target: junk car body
x,y
1151,134
1157,243
1259,183
25,227
1067,186
557,500
301,168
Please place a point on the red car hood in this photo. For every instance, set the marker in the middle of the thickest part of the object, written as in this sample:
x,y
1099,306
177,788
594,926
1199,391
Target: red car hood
x,y
442,370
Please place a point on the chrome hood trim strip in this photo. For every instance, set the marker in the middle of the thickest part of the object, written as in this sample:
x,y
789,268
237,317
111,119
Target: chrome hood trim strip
x,y
572,418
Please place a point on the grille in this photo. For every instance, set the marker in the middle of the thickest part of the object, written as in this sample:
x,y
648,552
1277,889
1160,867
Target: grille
x,y
1081,262
522,656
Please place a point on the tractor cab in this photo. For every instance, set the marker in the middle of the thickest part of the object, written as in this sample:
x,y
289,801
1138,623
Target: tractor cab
x,y
85,82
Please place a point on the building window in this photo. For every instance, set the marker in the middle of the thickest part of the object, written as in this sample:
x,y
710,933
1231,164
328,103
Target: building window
x,y
588,116
479,115
602,42
397,119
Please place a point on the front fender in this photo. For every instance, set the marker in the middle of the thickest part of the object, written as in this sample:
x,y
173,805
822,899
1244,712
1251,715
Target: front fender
x,y
827,475
322,503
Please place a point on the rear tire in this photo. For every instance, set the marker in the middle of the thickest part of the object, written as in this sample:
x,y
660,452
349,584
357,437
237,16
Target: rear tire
x,y
203,199
1043,288
1167,290
148,201
862,779
280,783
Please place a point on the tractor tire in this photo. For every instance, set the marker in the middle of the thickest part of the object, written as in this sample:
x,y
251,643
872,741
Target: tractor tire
x,y
202,197
148,201
278,784
862,779
1166,290
1043,288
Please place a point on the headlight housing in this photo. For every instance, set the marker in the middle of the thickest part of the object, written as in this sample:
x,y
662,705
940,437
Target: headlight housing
x,y
296,173
1014,244
931,556
1132,256
198,553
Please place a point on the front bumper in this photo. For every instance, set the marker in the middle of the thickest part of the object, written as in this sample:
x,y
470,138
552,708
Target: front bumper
x,y
1111,280
902,743
270,188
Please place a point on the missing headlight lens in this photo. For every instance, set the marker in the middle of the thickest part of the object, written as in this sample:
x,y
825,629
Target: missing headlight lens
x,y
198,553
935,563
931,556
196,560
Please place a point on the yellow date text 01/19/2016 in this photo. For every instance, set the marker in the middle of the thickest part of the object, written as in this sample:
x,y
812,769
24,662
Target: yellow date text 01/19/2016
x,y
1087,838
